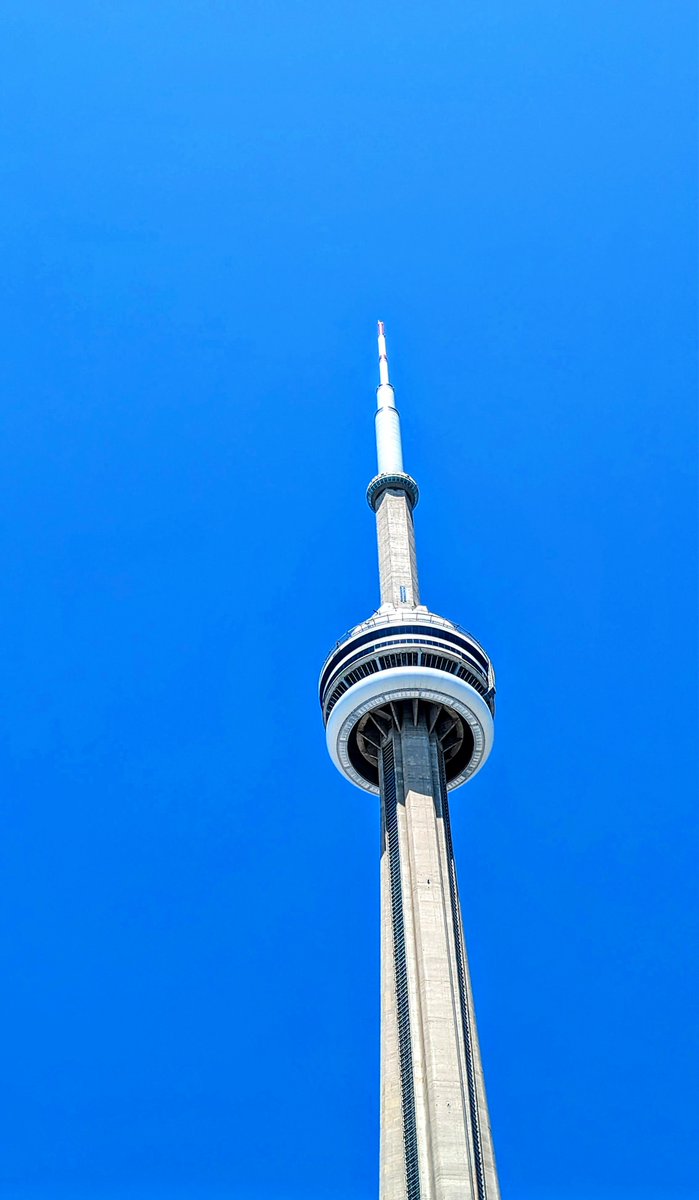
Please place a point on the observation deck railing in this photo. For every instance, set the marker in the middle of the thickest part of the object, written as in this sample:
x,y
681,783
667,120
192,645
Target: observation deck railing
x,y
380,621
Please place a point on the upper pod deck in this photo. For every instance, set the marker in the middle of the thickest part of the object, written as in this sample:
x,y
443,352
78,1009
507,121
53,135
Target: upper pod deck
x,y
404,637
407,654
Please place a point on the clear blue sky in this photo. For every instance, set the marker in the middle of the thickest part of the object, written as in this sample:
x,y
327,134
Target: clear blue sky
x,y
206,206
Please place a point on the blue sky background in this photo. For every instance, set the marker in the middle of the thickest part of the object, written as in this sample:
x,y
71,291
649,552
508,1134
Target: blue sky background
x,y
206,207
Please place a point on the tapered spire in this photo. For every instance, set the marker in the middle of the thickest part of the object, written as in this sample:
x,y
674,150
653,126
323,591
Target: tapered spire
x,y
389,449
383,356
393,494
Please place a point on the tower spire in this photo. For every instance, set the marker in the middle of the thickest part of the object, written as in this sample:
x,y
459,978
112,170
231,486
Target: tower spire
x,y
393,495
389,447
383,357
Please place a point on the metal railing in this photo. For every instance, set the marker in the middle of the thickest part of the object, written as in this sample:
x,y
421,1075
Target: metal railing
x,y
379,621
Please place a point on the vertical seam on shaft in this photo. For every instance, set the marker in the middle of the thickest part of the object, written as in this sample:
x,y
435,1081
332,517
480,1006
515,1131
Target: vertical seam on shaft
x,y
412,1168
463,1000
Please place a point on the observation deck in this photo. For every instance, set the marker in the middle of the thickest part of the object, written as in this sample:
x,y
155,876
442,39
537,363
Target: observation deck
x,y
389,669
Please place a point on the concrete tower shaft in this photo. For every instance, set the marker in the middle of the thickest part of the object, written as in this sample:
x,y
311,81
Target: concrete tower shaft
x,y
436,1142
408,700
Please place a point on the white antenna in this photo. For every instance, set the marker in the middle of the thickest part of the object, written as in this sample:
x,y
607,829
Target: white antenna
x,y
383,357
389,449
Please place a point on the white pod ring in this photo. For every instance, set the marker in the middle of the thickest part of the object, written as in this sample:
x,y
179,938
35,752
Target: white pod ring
x,y
408,683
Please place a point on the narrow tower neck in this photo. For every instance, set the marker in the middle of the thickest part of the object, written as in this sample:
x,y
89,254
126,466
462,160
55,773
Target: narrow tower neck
x,y
393,494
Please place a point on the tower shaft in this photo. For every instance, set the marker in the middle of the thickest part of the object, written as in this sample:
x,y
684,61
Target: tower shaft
x,y
435,1131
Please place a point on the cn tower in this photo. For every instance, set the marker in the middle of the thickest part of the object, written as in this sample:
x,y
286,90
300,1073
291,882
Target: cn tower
x,y
408,700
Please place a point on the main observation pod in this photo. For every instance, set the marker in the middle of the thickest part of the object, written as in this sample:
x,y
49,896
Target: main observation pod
x,y
390,670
